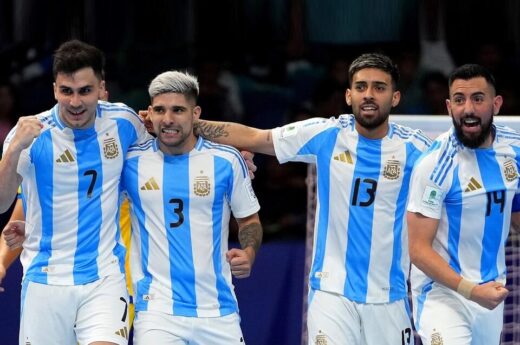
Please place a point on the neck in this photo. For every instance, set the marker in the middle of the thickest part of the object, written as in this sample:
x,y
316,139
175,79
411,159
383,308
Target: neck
x,y
378,132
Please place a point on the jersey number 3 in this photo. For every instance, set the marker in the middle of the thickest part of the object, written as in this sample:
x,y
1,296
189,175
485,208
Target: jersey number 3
x,y
177,209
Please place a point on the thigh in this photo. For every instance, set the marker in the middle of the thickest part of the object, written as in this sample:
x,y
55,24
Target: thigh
x,y
103,314
332,320
48,313
223,330
445,319
488,324
386,323
152,327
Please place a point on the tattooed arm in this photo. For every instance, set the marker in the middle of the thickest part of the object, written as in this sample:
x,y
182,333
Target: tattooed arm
x,y
250,237
237,135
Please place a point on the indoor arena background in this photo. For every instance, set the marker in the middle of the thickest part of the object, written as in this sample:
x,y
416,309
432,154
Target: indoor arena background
x,y
263,63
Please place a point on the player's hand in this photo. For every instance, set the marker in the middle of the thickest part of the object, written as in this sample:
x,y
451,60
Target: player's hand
x,y
28,129
14,234
143,114
489,295
251,167
240,261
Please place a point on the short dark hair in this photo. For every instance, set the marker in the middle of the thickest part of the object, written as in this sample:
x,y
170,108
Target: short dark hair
x,y
74,55
374,60
470,71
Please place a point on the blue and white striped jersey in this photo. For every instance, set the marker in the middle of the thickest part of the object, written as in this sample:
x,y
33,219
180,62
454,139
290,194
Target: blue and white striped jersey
x,y
471,192
180,208
70,188
360,234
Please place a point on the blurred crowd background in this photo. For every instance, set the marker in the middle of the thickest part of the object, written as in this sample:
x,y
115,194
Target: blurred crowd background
x,y
261,62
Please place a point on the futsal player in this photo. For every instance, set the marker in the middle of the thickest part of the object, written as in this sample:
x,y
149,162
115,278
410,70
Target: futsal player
x,y
69,160
181,263
358,279
459,216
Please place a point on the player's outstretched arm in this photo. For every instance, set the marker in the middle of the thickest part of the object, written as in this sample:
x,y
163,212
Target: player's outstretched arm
x,y
8,256
250,237
237,135
422,231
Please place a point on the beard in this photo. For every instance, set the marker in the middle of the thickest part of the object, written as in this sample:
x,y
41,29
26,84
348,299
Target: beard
x,y
371,123
473,141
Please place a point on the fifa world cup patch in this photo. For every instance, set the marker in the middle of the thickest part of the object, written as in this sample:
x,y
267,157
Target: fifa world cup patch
x,y
288,131
432,198
250,191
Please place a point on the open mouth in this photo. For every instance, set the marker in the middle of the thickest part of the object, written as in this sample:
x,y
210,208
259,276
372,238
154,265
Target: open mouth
x,y
470,122
369,107
77,112
170,131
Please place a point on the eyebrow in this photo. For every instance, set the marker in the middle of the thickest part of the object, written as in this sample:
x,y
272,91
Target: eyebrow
x,y
478,93
377,82
71,88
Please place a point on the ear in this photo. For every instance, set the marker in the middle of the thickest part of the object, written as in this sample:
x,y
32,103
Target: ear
x,y
497,103
103,95
396,97
196,112
448,106
348,97
55,89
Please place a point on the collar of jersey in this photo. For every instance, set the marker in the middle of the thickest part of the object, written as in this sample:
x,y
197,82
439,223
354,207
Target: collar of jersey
x,y
61,125
198,145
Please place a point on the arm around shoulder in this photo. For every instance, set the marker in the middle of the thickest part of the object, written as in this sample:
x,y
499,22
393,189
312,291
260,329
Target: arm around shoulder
x,y
237,135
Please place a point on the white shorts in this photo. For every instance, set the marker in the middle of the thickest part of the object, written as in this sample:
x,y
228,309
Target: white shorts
x,y
333,319
153,327
77,314
442,316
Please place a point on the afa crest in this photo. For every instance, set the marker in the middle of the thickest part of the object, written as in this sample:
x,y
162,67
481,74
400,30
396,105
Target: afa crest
x,y
110,148
392,170
202,187
436,339
510,171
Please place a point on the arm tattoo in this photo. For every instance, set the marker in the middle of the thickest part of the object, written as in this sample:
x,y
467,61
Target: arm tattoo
x,y
210,131
250,236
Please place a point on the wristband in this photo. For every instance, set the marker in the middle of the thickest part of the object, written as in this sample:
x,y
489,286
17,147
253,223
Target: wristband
x,y
465,287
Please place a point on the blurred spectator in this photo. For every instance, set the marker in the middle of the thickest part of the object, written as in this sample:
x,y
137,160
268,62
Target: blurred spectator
x,y
219,95
434,92
407,61
8,116
434,86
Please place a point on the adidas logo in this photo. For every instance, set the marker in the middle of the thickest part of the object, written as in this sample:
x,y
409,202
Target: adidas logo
x,y
66,157
344,157
150,185
123,332
473,185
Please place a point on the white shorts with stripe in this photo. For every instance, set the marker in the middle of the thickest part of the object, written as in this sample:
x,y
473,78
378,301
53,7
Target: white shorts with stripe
x,y
442,316
75,314
153,327
333,319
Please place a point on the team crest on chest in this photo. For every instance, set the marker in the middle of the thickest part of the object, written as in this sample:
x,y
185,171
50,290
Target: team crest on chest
x,y
392,170
510,171
202,187
110,148
436,338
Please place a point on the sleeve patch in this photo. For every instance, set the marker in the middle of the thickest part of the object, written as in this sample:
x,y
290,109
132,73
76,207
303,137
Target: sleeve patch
x,y
288,131
432,198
